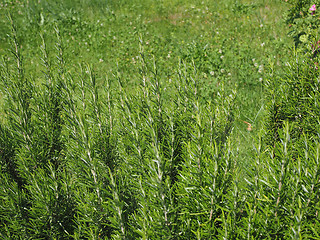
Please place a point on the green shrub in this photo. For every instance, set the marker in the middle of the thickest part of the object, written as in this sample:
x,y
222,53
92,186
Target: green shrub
x,y
282,198
293,98
149,150
81,163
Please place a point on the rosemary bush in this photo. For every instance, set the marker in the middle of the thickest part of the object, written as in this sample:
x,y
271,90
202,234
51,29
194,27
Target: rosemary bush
x,y
80,163
87,154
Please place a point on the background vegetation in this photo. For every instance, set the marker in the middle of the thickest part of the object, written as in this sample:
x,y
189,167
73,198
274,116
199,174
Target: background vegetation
x,y
163,119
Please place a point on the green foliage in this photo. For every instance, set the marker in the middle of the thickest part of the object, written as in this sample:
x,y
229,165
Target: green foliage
x,y
124,120
304,23
89,168
282,189
286,187
293,98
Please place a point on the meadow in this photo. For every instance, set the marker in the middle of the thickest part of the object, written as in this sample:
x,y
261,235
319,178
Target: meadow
x,y
142,119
